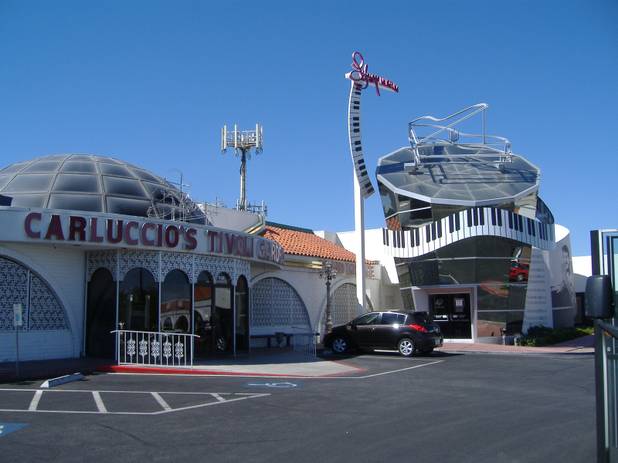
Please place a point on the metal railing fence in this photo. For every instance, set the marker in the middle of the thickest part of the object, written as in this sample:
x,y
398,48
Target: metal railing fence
x,y
154,348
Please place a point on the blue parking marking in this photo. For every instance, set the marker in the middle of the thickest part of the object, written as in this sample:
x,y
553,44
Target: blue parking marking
x,y
8,428
280,385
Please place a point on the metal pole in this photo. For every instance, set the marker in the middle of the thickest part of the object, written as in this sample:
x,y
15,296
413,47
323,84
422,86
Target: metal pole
x,y
17,352
243,173
329,318
600,363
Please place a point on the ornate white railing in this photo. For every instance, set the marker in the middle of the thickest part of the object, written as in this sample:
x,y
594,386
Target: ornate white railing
x,y
154,348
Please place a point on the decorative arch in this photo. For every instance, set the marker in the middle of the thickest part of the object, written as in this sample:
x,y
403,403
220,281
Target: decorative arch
x,y
275,303
344,305
19,284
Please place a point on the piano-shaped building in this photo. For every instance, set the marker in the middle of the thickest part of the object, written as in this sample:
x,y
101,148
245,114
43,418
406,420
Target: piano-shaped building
x,y
473,242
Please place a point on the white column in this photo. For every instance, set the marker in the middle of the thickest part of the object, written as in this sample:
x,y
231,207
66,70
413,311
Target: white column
x,y
359,225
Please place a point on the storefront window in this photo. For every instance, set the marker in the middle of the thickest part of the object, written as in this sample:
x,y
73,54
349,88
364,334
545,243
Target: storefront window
x,y
176,303
204,323
138,301
491,323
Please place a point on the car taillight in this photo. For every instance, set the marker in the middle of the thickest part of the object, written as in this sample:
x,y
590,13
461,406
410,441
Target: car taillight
x,y
418,327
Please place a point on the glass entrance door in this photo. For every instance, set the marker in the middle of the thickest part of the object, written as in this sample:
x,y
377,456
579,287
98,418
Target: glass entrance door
x,y
452,313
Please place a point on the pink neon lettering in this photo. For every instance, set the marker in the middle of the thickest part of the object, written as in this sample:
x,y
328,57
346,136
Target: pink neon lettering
x,y
360,74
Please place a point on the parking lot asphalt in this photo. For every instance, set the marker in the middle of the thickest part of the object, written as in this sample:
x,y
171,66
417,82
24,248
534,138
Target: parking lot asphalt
x,y
459,408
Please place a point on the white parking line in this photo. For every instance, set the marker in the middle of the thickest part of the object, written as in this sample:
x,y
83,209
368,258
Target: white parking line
x,y
402,369
97,400
102,409
36,398
162,402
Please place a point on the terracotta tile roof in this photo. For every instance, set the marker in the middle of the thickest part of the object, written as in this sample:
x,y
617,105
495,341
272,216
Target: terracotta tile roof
x,y
303,242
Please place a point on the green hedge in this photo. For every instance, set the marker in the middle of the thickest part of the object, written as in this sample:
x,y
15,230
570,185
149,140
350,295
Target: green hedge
x,y
543,336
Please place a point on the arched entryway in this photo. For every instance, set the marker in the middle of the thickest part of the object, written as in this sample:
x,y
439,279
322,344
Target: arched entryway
x,y
242,315
138,301
204,324
223,314
101,315
276,306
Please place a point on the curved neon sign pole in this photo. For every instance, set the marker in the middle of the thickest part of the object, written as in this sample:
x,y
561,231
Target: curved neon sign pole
x,y
360,79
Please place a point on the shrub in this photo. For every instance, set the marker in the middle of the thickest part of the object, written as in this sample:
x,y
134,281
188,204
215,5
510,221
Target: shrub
x,y
543,336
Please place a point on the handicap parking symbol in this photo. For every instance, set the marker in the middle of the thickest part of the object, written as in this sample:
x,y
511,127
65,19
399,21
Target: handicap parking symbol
x,y
282,385
8,428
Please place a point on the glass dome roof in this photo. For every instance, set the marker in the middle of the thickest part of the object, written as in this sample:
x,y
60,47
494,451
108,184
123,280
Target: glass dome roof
x,y
95,184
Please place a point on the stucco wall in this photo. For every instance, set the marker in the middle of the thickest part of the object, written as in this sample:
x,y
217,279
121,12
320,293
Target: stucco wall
x,y
63,269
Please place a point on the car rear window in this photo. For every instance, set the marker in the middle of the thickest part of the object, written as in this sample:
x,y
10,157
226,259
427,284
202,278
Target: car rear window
x,y
389,318
418,317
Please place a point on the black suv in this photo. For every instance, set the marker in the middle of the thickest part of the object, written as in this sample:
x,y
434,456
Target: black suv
x,y
408,332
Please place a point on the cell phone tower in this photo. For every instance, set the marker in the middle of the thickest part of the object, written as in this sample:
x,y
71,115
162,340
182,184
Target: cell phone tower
x,y
242,142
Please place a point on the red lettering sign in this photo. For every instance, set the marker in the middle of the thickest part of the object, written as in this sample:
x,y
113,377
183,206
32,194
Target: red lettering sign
x,y
30,233
77,226
128,238
134,233
55,229
94,236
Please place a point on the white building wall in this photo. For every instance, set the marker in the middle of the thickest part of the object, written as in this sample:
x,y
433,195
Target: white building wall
x,y
64,271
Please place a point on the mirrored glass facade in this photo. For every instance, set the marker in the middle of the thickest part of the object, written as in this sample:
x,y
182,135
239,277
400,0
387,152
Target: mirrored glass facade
x,y
438,211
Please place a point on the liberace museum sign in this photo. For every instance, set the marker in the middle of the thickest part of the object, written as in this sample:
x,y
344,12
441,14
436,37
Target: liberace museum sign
x,y
114,231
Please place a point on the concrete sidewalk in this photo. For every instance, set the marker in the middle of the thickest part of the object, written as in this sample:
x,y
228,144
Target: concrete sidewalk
x,y
266,362
583,345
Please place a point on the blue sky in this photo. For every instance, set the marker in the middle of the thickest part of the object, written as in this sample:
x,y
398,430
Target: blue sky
x,y
152,82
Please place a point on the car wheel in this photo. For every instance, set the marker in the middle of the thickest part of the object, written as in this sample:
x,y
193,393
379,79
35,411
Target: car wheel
x,y
406,347
340,345
520,277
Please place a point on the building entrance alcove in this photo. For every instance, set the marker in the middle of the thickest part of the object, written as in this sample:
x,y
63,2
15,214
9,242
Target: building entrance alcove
x,y
101,315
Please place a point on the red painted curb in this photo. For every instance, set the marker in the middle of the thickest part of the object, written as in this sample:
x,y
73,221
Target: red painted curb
x,y
183,371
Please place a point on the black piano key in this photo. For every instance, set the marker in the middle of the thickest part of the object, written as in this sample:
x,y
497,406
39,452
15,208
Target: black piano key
x,y
493,216
440,229
499,216
417,237
451,224
427,233
457,222
510,220
468,217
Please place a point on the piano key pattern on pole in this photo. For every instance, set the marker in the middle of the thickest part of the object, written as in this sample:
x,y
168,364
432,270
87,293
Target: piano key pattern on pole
x,y
476,221
356,147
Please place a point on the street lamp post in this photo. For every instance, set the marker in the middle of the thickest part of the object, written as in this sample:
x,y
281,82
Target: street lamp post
x,y
328,274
